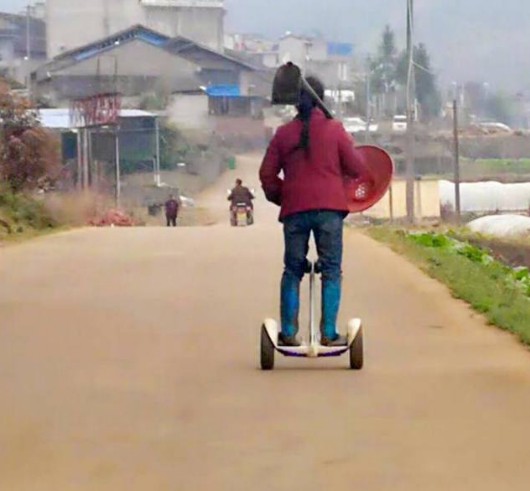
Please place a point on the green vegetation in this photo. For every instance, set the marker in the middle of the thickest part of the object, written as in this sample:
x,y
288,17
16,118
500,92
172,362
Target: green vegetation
x,y
22,216
29,161
499,292
509,166
154,102
472,170
176,146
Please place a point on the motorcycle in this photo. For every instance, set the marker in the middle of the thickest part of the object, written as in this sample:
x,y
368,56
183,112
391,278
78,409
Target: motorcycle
x,y
241,214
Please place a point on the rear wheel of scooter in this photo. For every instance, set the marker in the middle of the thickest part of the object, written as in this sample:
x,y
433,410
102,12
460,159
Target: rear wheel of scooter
x,y
267,350
357,352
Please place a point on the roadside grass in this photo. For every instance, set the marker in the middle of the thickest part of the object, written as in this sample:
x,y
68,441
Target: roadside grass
x,y
488,286
515,166
23,217
502,170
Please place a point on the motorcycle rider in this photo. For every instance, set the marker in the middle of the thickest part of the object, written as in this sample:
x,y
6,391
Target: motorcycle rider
x,y
240,194
314,153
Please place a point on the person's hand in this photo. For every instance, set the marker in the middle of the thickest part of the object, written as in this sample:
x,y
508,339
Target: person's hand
x,y
275,198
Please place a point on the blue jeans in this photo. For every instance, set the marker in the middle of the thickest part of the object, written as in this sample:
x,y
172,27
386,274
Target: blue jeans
x,y
327,227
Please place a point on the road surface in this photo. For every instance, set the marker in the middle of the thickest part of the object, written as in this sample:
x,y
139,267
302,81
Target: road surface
x,y
129,361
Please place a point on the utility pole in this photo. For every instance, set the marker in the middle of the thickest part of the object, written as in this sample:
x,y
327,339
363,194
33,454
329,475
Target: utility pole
x,y
28,51
411,102
457,160
158,181
28,32
118,170
368,99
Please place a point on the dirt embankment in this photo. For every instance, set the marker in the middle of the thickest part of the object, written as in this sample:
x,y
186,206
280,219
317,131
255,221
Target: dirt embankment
x,y
513,252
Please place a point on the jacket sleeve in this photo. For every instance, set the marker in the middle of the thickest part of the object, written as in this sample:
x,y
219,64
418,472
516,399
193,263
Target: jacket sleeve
x,y
352,161
269,173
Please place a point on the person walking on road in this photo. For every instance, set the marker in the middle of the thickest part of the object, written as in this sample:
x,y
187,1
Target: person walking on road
x,y
314,154
172,210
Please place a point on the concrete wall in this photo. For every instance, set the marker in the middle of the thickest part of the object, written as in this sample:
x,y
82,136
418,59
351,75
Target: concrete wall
x,y
18,68
7,53
333,73
159,70
427,200
73,23
154,61
295,50
318,51
190,112
202,25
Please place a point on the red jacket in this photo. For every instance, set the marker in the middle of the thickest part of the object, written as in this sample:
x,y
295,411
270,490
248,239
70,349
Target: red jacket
x,y
314,180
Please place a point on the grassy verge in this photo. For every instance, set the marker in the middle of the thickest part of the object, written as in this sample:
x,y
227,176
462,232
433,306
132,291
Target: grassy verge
x,y
22,217
515,166
490,287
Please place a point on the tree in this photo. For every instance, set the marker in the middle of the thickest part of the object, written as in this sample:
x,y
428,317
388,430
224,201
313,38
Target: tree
x,y
384,65
427,93
501,108
28,153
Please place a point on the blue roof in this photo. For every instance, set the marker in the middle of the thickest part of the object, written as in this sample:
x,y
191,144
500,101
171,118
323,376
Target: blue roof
x,y
152,38
223,91
340,49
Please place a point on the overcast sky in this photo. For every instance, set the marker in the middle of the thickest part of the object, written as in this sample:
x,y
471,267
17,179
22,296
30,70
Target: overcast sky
x,y
483,40
12,5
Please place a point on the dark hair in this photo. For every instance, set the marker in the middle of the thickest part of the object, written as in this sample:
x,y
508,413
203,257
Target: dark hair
x,y
239,181
305,108
317,85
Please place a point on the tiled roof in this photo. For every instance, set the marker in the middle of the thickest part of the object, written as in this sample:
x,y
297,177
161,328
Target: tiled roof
x,y
180,46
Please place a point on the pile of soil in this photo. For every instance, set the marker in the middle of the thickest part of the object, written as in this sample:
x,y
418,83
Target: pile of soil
x,y
113,218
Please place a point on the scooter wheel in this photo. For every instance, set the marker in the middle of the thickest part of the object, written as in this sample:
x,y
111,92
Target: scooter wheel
x,y
267,350
357,352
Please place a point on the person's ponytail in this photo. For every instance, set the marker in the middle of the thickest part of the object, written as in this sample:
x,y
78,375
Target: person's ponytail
x,y
305,110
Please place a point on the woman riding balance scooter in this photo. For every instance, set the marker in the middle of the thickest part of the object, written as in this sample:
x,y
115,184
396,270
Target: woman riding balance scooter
x,y
315,154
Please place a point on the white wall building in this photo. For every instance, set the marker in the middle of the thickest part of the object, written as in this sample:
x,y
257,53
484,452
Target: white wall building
x,y
74,23
333,62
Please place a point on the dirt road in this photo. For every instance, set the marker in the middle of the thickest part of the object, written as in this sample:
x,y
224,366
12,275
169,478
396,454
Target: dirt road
x,y
129,361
